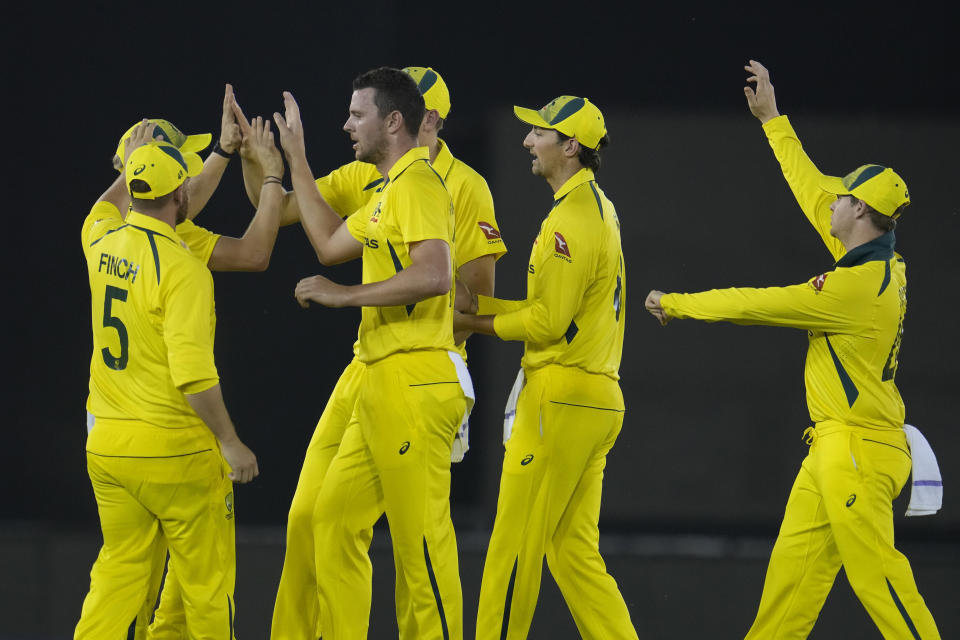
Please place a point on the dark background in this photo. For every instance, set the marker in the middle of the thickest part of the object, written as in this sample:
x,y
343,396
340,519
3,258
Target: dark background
x,y
696,485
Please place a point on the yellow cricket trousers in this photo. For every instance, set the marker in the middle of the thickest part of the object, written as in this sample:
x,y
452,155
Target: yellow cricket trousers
x,y
550,489
840,513
394,458
296,614
169,621
186,500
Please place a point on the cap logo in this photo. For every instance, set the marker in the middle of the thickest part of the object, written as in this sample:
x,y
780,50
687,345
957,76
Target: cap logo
x,y
139,170
565,111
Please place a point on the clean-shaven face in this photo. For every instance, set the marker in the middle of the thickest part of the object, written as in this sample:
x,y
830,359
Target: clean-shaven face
x,y
842,216
366,127
184,207
544,146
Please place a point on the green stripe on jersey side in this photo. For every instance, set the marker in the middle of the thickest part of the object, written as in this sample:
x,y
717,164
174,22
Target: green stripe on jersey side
x,y
849,388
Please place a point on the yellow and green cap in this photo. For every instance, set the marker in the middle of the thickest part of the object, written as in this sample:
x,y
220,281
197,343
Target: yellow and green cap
x,y
432,88
572,116
161,167
166,131
880,187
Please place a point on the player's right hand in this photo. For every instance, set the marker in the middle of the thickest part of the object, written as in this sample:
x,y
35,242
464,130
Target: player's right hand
x,y
290,128
263,148
763,101
652,305
138,137
243,464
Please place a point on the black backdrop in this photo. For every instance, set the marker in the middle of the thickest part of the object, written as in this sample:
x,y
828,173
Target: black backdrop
x,y
714,412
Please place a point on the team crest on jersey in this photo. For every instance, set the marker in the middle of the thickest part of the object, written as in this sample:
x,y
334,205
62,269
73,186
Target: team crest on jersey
x,y
561,248
375,216
489,230
817,283
228,501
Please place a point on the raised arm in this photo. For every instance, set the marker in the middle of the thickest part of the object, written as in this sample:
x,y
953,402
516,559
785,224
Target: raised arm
x,y
252,251
325,229
798,169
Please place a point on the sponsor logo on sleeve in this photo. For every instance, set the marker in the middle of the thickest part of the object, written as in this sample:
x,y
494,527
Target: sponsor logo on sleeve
x,y
817,283
489,230
561,248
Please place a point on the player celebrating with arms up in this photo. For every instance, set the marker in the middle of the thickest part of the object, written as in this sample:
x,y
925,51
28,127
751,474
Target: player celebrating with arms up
x,y
413,393
840,508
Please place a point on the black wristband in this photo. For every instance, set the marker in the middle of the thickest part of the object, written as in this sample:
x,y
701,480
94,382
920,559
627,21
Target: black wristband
x,y
217,149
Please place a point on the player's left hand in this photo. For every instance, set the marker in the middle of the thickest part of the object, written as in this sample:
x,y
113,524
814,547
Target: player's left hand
x,y
653,306
230,137
262,147
322,291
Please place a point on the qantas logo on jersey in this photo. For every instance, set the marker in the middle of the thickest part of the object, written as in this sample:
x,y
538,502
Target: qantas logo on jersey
x,y
817,283
561,248
489,230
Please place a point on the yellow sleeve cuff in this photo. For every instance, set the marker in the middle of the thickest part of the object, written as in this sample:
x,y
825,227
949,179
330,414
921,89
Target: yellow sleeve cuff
x,y
488,306
510,326
199,386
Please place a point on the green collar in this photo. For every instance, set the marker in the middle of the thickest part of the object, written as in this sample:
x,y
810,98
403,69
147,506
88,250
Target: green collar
x,y
877,249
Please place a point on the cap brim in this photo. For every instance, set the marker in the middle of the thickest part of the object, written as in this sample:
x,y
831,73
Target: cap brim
x,y
833,184
194,162
196,142
531,117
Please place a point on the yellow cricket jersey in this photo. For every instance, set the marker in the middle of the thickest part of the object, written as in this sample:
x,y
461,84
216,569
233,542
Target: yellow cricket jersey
x,y
153,329
353,185
476,233
575,312
413,205
853,314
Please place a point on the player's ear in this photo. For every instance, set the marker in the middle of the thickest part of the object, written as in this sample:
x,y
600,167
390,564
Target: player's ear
x,y
571,147
394,121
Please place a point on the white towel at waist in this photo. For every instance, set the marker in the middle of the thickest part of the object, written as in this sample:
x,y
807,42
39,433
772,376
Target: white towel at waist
x,y
90,421
926,492
461,443
510,411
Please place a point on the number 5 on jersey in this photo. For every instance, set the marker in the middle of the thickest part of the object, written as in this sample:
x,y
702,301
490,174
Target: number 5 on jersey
x,y
109,320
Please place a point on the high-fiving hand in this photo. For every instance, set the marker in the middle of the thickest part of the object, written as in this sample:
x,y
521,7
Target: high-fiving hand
x,y
762,101
261,147
290,128
230,134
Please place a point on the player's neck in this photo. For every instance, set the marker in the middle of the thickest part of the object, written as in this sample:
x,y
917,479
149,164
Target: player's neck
x,y
399,147
860,235
563,173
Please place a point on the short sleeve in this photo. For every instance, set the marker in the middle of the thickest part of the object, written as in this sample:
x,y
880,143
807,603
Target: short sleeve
x,y
188,326
200,241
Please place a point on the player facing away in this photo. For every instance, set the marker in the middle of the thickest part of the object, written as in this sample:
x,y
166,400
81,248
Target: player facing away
x,y
570,409
840,508
163,450
250,252
477,247
414,391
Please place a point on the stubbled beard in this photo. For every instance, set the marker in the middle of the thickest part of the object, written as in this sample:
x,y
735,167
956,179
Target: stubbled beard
x,y
182,211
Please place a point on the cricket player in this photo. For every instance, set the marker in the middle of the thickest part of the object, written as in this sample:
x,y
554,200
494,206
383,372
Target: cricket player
x,y
395,454
251,252
567,401
839,511
477,247
163,450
